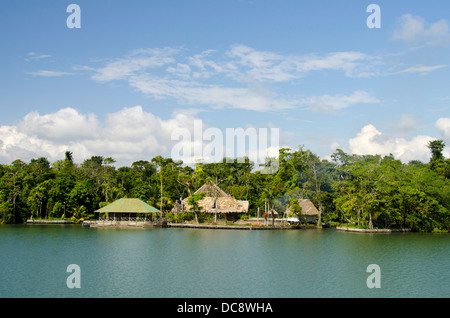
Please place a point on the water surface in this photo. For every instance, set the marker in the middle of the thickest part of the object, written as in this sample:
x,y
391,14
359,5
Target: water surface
x,y
185,263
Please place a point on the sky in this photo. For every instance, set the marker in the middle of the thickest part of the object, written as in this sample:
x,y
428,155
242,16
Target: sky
x,y
135,72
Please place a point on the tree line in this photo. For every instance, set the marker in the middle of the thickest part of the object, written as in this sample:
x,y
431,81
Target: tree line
x,y
369,191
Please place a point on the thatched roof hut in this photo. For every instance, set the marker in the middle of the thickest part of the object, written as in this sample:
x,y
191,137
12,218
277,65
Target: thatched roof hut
x,y
215,201
211,190
309,211
307,206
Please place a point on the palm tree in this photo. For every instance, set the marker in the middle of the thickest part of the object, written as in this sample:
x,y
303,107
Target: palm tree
x,y
79,214
436,147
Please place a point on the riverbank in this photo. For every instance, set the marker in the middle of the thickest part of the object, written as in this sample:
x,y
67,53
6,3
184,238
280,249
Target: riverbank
x,y
234,226
350,229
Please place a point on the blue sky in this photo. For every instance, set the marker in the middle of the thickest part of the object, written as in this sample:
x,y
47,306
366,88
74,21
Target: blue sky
x,y
137,70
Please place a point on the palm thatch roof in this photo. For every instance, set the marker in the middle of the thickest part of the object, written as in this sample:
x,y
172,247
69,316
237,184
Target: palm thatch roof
x,y
215,201
211,190
126,205
307,206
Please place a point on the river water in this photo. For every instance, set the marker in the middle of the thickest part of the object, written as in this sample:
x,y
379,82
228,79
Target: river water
x,y
193,263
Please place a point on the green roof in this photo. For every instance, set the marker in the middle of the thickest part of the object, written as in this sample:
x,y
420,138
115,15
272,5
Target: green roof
x,y
128,206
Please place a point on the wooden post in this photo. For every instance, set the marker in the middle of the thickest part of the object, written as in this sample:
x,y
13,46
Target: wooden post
x,y
258,216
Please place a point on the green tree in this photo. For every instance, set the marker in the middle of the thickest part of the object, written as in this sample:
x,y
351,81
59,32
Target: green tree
x,y
193,202
436,147
80,214
296,209
82,194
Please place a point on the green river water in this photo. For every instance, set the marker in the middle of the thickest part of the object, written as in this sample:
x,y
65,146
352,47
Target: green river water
x,y
192,263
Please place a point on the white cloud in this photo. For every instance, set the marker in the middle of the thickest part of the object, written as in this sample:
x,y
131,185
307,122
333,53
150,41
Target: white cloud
x,y
193,93
407,123
33,56
371,141
247,63
16,144
128,135
443,126
421,69
46,73
65,124
353,64
242,71
332,104
264,65
415,30
136,61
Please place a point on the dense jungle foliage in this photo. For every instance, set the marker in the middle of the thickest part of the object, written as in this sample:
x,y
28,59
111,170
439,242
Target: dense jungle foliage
x,y
368,191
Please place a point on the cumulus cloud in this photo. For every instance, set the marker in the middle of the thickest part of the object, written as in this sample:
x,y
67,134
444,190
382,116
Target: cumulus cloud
x,y
127,135
371,141
65,124
443,127
16,144
415,30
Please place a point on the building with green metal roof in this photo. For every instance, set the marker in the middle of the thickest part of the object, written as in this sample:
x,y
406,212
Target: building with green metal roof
x,y
126,207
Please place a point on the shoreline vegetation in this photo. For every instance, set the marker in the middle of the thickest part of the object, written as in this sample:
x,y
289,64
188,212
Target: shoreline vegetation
x,y
350,191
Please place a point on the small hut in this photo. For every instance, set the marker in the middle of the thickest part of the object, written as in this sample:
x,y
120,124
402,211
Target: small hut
x,y
126,209
216,201
309,211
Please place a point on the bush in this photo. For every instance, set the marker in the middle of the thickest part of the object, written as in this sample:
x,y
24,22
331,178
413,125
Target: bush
x,y
437,230
184,216
169,217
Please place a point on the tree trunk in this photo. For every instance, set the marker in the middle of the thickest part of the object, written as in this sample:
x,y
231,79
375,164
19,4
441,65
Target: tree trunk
x,y
319,220
273,217
358,218
196,217
258,216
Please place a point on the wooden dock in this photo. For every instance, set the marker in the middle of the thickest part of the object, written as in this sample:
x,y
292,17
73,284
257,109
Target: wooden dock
x,y
124,224
349,229
50,222
231,227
